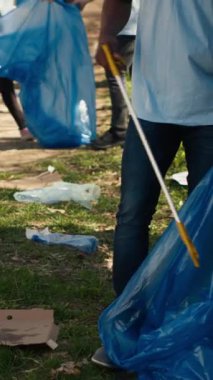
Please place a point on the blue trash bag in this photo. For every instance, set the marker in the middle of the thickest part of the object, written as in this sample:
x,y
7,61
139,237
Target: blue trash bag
x,y
161,326
44,47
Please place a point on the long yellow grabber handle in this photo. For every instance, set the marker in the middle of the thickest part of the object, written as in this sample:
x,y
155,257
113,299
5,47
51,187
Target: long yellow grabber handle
x,y
180,226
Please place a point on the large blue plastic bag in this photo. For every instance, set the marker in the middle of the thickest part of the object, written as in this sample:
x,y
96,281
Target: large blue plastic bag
x,y
162,324
44,47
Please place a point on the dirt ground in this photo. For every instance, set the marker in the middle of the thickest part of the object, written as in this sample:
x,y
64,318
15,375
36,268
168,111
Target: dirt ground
x,y
13,151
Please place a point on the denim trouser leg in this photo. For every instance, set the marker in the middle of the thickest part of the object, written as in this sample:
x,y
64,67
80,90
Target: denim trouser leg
x,y
139,195
120,113
198,145
140,189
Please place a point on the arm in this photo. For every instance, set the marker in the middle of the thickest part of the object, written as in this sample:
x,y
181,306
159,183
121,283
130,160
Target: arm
x,y
115,14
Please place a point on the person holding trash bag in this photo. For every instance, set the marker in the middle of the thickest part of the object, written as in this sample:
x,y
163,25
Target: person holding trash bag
x,y
172,94
120,114
119,118
31,58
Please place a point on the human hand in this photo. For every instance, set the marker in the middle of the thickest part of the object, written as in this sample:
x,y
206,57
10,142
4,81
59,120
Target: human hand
x,y
100,56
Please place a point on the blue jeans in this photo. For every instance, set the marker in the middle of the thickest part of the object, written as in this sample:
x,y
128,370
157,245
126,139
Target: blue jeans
x,y
140,189
120,113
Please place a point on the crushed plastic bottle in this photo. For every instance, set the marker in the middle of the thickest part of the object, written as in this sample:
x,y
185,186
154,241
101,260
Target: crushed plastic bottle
x,y
82,122
84,243
6,7
84,194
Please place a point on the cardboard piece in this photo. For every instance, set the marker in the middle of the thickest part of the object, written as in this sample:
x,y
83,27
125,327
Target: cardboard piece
x,y
28,327
28,183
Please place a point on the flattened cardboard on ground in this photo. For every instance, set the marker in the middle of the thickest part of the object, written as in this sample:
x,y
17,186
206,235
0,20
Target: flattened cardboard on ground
x,y
28,183
28,327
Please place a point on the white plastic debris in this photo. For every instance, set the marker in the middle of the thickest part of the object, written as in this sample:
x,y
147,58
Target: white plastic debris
x,y
181,178
61,191
51,169
85,243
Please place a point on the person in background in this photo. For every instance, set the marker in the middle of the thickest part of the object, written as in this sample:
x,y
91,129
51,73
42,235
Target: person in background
x,y
172,95
120,114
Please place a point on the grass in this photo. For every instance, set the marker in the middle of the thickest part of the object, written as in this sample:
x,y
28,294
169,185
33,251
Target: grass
x,y
77,287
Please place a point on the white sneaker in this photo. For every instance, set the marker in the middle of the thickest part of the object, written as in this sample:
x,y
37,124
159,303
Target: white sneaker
x,y
100,358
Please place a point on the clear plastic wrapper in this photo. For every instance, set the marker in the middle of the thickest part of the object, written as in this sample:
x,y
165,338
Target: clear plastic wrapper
x,y
84,194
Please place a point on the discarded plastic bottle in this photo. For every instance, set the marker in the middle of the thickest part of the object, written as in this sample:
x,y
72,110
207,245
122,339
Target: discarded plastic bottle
x,y
85,243
61,191
82,122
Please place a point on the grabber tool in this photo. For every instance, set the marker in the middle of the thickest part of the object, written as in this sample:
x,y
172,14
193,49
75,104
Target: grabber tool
x,y
180,226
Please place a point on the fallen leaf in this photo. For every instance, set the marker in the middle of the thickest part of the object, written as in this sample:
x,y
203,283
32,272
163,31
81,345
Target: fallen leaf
x,y
85,361
54,210
68,368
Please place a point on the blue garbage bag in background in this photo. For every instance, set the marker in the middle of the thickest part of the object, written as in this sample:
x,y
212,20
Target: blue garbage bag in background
x,y
44,47
161,326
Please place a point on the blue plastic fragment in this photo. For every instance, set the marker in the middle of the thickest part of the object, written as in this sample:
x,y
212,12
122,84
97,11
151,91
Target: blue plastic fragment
x,y
85,243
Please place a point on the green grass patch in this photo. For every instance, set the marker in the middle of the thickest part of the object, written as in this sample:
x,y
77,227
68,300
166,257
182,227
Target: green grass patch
x,y
76,286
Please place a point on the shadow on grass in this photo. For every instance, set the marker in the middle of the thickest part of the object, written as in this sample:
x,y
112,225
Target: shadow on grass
x,y
17,143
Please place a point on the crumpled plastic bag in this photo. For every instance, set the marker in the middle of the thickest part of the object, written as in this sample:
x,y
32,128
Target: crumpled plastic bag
x,y
161,326
44,47
85,243
85,194
180,178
